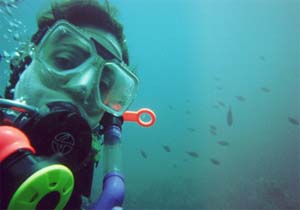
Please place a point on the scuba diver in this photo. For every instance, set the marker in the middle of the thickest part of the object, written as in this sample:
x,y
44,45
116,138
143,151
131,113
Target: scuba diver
x,y
66,101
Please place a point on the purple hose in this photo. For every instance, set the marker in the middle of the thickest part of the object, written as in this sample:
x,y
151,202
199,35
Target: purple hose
x,y
113,192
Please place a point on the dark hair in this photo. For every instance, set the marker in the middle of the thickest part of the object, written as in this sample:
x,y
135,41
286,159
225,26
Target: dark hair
x,y
77,12
84,12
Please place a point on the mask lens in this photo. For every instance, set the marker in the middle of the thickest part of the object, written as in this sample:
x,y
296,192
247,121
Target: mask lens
x,y
64,50
117,88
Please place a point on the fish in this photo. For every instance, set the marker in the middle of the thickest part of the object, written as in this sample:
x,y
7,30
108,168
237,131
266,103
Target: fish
x,y
262,58
213,132
240,98
216,78
166,148
215,161
293,121
265,89
229,117
223,143
219,87
187,100
212,127
143,153
187,112
193,154
191,129
221,103
174,165
170,107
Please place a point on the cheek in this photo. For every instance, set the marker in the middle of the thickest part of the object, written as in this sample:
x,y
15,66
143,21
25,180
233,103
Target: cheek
x,y
27,84
30,87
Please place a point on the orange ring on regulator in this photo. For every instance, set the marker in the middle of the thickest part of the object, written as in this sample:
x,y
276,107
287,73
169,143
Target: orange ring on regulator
x,y
137,117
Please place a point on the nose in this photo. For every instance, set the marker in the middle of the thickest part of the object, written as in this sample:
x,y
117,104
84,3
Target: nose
x,y
82,84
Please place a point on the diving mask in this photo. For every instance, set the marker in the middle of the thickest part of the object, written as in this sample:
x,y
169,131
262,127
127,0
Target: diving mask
x,y
67,52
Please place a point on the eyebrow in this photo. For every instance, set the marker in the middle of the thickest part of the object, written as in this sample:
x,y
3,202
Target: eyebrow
x,y
104,52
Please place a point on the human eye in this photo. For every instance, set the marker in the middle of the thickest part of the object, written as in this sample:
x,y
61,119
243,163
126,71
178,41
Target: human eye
x,y
106,82
64,61
68,57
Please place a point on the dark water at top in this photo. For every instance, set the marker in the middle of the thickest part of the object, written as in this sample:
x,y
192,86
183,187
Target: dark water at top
x,y
223,77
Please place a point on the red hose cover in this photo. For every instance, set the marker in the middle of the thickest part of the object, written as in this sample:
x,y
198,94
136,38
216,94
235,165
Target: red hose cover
x,y
11,140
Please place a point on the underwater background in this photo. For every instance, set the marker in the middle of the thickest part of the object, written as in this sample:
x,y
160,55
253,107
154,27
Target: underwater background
x,y
223,77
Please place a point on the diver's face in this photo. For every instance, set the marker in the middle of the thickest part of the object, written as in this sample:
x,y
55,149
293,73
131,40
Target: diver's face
x,y
37,87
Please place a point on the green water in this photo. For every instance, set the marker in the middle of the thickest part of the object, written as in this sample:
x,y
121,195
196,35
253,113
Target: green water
x,y
195,59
